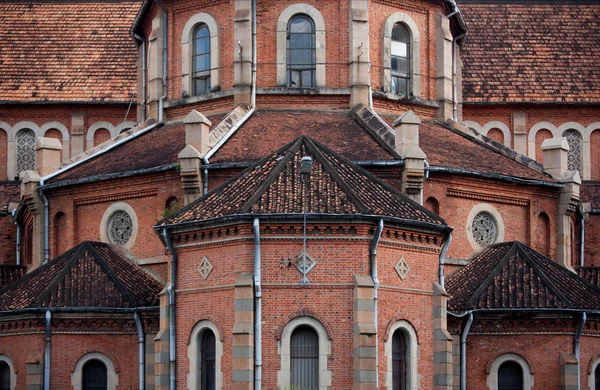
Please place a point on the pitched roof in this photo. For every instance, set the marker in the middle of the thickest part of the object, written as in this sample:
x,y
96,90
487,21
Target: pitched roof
x,y
10,191
513,276
531,52
92,274
67,51
274,186
591,274
10,273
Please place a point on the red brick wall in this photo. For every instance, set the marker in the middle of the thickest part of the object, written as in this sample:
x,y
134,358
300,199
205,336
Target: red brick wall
x,y
56,134
496,135
592,241
540,136
100,136
21,348
8,240
595,155
3,154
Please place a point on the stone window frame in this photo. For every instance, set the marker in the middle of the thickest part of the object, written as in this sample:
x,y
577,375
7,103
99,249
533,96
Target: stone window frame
x,y
494,213
320,44
412,366
111,373
187,52
11,367
192,377
492,376
594,362
119,206
283,349
415,52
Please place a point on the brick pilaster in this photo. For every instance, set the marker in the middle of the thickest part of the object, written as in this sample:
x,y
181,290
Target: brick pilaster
x,y
442,341
161,346
568,371
243,333
365,334
34,374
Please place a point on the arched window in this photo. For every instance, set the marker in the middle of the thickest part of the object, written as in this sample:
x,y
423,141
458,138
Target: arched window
x,y
400,51
399,361
301,53
304,355
597,378
201,60
574,156
95,375
5,376
510,376
25,150
207,368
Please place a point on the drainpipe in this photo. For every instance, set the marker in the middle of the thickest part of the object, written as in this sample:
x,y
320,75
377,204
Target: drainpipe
x,y
374,275
576,347
443,258
463,353
257,308
253,98
18,249
165,51
171,291
455,88
143,41
582,239
47,352
46,246
142,349
205,162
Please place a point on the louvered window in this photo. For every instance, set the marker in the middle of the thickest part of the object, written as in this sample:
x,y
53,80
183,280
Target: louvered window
x,y
4,376
400,51
207,353
95,376
399,371
510,376
574,156
301,52
304,351
25,149
201,60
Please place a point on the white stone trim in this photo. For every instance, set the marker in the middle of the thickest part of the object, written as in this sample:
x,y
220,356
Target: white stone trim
x,y
533,131
473,125
192,377
498,125
11,367
320,46
10,150
413,359
492,377
77,375
25,125
127,125
283,348
89,137
592,374
187,52
119,206
415,52
491,210
58,126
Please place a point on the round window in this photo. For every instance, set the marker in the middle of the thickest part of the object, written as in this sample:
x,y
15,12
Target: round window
x,y
484,228
120,227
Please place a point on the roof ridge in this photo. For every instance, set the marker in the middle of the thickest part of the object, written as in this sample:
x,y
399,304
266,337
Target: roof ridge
x,y
101,262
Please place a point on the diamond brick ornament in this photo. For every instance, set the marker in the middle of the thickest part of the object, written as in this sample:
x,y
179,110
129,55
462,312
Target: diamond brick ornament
x,y
402,268
204,268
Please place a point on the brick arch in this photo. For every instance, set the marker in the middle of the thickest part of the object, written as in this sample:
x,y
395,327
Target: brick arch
x,y
592,360
500,126
111,356
214,321
101,136
433,205
515,351
56,134
390,324
12,359
496,135
304,313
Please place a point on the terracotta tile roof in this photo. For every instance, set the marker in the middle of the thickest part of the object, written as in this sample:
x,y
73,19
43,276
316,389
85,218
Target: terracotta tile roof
x,y
274,186
591,274
67,51
10,273
531,53
267,131
513,276
92,274
9,192
590,193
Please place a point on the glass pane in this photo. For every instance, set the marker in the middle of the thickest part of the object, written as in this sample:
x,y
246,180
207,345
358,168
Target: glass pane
x,y
301,41
294,79
301,24
400,33
202,85
202,32
300,57
399,49
202,46
307,79
400,65
201,63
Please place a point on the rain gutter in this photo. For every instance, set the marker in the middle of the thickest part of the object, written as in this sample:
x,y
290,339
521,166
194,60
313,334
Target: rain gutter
x,y
375,276
497,176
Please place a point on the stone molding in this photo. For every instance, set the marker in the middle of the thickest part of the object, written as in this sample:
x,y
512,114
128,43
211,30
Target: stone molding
x,y
112,373
13,371
195,333
412,349
114,197
492,377
119,206
491,210
415,52
487,197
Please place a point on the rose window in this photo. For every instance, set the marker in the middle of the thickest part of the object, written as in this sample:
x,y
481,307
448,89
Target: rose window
x,y
484,229
120,227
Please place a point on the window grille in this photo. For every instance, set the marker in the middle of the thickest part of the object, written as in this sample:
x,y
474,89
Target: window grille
x,y
399,371
207,360
301,52
201,60
510,376
120,227
574,156
484,228
304,353
25,150
95,376
400,51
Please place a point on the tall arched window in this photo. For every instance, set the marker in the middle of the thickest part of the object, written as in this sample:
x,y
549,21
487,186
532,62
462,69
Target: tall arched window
x,y
25,150
510,376
400,51
207,362
574,156
95,375
304,354
4,376
301,53
201,60
399,361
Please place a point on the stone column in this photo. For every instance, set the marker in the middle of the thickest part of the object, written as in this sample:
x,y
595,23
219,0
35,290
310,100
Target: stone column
x,y
242,52
442,341
365,334
519,129
161,346
77,133
459,84
34,374
568,371
243,333
47,155
359,53
150,355
154,64
407,146
191,177
443,66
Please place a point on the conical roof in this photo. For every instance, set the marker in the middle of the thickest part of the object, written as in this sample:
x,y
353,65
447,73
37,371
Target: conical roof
x,y
513,276
274,186
92,274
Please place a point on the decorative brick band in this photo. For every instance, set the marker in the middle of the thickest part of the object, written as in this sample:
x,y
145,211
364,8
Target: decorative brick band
x,y
115,197
487,197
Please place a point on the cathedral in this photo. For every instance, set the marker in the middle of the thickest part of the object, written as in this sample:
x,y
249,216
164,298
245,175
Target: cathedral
x,y
300,195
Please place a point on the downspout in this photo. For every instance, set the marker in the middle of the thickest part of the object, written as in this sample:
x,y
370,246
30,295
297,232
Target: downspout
x,y
47,352
143,41
46,228
171,291
165,51
463,353
443,259
455,87
375,276
142,349
18,248
257,308
205,163
576,347
254,56
582,238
